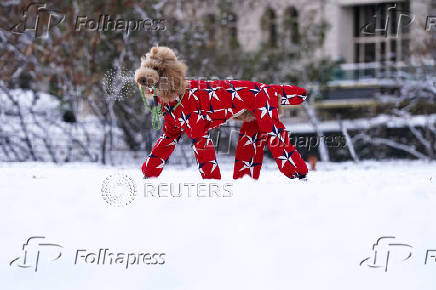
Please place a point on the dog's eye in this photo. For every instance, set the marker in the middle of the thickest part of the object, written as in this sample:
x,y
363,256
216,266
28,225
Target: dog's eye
x,y
155,68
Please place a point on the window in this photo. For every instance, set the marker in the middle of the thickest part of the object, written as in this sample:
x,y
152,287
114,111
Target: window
x,y
229,21
233,30
291,25
381,32
210,23
269,26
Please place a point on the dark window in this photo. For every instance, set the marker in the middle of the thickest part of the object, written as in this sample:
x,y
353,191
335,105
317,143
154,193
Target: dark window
x,y
356,21
291,25
369,52
210,27
381,32
269,24
233,30
229,22
356,53
383,51
393,50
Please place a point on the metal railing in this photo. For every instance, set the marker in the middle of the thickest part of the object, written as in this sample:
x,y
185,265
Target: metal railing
x,y
388,73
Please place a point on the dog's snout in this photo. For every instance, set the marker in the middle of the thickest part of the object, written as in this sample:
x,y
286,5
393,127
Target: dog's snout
x,y
143,81
146,77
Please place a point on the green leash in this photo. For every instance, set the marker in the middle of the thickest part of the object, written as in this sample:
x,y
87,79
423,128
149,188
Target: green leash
x,y
156,112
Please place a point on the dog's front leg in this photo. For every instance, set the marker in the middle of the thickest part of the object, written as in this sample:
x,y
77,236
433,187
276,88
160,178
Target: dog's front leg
x,y
161,151
204,152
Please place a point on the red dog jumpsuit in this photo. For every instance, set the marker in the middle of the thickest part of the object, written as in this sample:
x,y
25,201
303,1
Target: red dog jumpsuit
x,y
208,104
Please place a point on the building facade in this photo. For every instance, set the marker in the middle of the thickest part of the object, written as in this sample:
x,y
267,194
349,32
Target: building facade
x,y
368,36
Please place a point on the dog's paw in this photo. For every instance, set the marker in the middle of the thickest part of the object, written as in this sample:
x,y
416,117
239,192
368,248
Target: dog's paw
x,y
302,177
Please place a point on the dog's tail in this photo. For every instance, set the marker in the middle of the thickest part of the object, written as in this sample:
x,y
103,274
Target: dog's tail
x,y
290,95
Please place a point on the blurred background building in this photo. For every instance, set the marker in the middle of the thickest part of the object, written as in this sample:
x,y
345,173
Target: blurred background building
x,y
368,67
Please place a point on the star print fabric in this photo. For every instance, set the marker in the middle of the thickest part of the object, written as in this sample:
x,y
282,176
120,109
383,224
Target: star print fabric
x,y
207,105
251,146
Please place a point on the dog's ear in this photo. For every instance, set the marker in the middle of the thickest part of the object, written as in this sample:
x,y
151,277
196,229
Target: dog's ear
x,y
173,71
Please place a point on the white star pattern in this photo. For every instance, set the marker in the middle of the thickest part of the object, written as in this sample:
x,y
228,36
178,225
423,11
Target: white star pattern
x,y
214,165
252,141
207,118
199,115
234,91
256,90
286,98
148,158
184,120
173,143
162,137
192,93
162,164
211,92
286,157
264,89
208,140
249,164
276,133
200,167
266,110
169,109
194,149
226,111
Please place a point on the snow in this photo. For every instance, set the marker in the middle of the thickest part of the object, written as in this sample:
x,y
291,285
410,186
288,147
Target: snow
x,y
38,118
275,233
27,100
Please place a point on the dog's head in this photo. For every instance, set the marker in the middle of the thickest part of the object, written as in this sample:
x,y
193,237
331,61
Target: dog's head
x,y
161,69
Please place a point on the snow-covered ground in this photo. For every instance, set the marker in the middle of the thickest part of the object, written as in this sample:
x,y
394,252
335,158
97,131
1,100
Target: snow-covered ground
x,y
271,234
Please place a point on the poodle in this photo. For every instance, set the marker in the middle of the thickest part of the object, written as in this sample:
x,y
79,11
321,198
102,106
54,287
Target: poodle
x,y
195,107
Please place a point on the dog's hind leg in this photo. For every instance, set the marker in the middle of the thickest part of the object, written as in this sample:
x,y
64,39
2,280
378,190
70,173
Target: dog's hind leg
x,y
287,157
249,152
